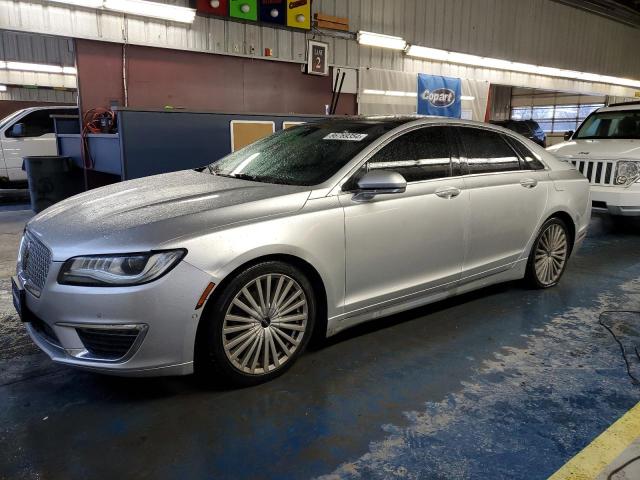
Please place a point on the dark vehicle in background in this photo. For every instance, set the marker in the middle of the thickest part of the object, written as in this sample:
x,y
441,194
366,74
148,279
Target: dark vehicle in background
x,y
527,128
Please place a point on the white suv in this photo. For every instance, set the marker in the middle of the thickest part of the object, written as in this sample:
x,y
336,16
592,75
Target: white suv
x,y
606,150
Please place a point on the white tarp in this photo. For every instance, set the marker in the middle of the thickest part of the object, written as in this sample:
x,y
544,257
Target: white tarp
x,y
388,92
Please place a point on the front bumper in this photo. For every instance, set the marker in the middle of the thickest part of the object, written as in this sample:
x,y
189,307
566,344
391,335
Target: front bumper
x,y
160,315
616,200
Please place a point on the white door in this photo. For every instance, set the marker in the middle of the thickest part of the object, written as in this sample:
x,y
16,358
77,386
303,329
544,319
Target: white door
x,y
507,197
399,245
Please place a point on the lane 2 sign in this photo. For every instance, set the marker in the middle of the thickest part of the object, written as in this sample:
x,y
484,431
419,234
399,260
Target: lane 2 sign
x,y
439,96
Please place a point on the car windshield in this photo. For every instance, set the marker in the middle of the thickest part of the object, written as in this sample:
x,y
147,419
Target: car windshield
x,y
613,124
6,120
303,155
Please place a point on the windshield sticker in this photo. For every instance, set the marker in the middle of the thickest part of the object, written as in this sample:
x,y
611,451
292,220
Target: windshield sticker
x,y
346,136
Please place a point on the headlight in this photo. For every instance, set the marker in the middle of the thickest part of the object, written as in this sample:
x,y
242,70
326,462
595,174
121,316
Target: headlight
x,y
118,270
627,172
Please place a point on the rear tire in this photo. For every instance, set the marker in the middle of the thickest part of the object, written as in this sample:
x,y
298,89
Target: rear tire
x,y
549,254
258,325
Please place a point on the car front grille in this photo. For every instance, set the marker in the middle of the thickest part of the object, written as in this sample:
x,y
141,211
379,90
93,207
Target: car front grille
x,y
598,172
35,259
108,343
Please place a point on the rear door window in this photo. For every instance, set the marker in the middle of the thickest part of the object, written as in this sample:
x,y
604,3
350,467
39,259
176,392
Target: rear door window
x,y
530,161
487,151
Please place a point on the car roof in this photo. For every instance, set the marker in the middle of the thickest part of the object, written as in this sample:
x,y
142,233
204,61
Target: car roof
x,y
399,120
621,107
504,122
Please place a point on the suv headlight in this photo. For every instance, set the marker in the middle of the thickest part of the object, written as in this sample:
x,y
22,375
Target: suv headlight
x,y
627,172
119,269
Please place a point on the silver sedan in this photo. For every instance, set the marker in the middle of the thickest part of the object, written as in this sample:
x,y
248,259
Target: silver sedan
x,y
229,270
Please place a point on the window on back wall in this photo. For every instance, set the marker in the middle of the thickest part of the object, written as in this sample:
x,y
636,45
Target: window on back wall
x,y
555,112
555,118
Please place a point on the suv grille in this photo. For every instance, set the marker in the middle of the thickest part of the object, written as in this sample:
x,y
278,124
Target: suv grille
x,y
35,259
598,172
108,343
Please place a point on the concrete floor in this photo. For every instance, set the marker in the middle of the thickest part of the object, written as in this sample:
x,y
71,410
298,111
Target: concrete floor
x,y
503,383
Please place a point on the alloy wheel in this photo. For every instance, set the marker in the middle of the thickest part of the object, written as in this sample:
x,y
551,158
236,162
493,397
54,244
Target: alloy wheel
x,y
265,324
551,254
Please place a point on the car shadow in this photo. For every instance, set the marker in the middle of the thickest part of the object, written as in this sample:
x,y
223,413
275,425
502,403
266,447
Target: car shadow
x,y
390,321
148,388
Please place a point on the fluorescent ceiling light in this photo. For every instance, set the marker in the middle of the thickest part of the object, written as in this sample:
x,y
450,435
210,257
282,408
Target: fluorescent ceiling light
x,y
495,63
380,40
38,67
389,93
3,88
81,3
394,93
34,67
141,8
152,9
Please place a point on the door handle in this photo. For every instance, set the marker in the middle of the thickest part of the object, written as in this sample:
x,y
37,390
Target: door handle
x,y
528,182
448,192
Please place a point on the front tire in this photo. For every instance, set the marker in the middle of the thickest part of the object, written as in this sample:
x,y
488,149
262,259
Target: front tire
x,y
549,254
257,326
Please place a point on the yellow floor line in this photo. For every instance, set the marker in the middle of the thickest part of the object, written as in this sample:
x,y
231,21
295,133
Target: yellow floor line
x,y
595,457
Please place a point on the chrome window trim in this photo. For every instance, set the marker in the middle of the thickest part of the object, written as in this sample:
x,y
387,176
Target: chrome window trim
x,y
374,148
470,175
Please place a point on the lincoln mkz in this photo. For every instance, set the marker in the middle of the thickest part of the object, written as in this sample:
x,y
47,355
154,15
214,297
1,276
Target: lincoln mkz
x,y
230,269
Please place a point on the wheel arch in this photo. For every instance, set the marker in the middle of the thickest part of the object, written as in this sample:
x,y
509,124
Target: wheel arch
x,y
320,328
569,222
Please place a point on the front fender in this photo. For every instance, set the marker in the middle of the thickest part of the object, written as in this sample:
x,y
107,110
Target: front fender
x,y
314,235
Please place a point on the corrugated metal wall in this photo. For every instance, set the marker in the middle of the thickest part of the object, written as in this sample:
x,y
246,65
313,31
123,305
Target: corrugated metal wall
x,y
25,47
36,48
45,95
533,31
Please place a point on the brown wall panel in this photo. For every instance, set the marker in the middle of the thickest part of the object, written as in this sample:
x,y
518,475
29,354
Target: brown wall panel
x,y
184,79
199,81
99,74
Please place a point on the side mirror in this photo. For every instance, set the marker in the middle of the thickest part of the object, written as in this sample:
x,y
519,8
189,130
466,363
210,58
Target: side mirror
x,y
19,130
379,182
568,135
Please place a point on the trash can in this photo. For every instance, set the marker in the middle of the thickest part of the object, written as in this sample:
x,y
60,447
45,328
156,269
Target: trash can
x,y
51,179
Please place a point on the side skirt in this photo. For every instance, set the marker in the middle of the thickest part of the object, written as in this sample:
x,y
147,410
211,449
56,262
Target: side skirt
x,y
351,319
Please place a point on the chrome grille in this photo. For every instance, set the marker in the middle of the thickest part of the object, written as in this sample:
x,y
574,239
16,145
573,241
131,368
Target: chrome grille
x,y
598,172
35,259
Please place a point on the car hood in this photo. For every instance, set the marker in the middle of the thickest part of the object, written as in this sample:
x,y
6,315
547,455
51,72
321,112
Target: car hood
x,y
143,214
607,149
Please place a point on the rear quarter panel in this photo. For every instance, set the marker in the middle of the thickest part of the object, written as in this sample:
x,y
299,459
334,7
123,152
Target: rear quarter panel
x,y
572,194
